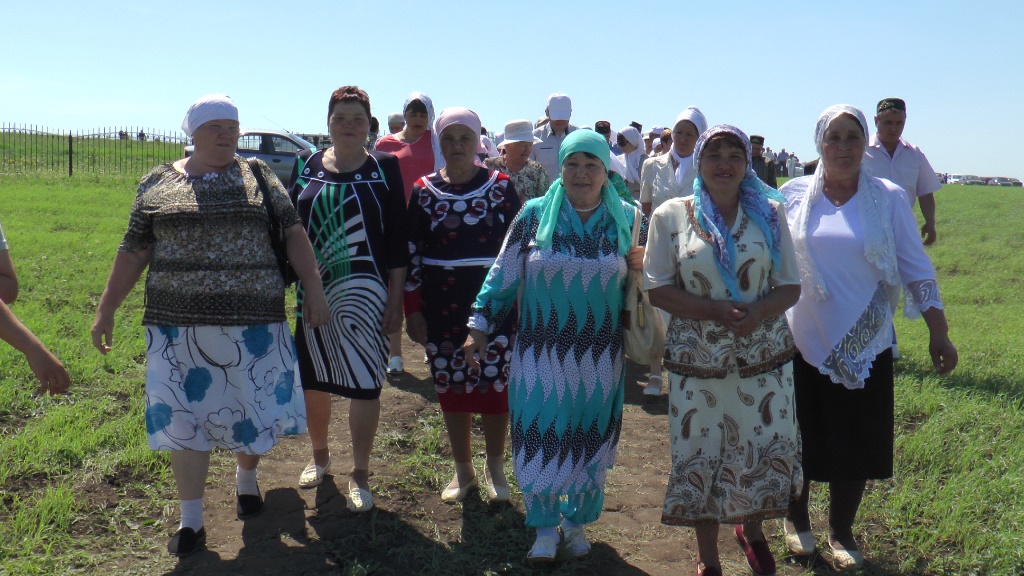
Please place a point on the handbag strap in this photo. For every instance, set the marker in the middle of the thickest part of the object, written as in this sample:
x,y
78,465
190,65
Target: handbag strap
x,y
254,167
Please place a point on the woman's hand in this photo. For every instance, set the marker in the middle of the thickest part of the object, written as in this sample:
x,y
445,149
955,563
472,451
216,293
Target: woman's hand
x,y
726,312
475,346
103,331
944,354
53,377
416,328
635,259
746,324
315,311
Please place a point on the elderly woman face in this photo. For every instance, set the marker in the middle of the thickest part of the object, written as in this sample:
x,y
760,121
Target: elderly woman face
x,y
348,124
216,141
458,145
684,137
842,147
518,150
583,175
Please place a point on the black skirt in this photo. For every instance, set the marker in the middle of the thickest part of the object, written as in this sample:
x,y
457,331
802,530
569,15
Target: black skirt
x,y
847,434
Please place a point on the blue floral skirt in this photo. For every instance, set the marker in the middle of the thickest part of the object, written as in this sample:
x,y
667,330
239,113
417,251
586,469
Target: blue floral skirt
x,y
231,387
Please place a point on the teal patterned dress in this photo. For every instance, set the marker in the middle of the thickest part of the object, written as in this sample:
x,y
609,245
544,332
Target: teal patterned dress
x,y
567,376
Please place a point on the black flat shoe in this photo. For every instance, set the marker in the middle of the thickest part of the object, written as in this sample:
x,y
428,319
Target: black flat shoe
x,y
186,541
248,505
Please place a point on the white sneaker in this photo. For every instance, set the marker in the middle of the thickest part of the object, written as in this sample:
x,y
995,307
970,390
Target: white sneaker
x,y
395,366
575,542
543,551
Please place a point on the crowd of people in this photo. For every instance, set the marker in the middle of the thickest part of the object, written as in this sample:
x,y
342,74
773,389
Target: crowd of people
x,y
508,263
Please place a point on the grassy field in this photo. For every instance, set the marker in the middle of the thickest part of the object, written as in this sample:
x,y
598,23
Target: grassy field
x,y
22,153
956,505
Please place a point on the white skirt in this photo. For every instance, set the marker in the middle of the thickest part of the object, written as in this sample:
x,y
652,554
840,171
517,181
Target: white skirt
x,y
231,387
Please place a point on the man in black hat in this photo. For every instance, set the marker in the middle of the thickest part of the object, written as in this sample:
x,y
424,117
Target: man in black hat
x,y
891,157
763,167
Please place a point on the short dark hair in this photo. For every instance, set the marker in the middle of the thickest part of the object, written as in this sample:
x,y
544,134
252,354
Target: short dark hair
x,y
374,124
349,94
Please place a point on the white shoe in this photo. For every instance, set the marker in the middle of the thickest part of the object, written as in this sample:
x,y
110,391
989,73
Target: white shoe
x,y
653,387
454,493
544,550
360,500
313,475
843,558
799,543
395,366
575,542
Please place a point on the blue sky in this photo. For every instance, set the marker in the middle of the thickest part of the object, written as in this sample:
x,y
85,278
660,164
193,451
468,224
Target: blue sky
x,y
768,67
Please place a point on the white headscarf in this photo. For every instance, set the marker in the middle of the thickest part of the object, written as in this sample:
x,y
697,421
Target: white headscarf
x,y
206,108
634,158
438,159
685,172
875,215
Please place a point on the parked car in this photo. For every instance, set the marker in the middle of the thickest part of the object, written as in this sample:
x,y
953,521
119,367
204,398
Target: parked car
x,y
968,179
1000,181
276,148
955,178
1016,183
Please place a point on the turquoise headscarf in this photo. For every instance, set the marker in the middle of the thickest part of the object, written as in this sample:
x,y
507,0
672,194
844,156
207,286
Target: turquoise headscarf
x,y
551,204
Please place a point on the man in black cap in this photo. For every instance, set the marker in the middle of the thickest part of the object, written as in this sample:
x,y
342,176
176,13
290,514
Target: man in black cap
x,y
604,128
763,167
891,157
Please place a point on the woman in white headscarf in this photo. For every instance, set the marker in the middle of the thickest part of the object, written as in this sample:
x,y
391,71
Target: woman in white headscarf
x,y
669,176
220,360
419,154
857,248
632,157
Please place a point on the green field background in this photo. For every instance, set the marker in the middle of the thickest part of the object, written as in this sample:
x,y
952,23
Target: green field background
x,y
956,505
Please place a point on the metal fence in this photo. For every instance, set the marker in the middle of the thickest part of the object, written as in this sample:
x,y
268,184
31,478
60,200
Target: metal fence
x,y
26,148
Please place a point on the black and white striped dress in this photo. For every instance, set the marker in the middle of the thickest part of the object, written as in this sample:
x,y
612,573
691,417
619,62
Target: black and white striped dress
x,y
356,224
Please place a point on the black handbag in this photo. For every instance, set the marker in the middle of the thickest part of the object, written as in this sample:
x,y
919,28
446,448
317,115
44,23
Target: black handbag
x,y
277,240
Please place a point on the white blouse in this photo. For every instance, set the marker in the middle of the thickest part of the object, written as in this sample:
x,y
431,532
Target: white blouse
x,y
842,334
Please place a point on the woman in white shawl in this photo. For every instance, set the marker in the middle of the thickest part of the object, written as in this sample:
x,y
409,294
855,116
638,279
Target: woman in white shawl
x,y
669,176
632,158
857,248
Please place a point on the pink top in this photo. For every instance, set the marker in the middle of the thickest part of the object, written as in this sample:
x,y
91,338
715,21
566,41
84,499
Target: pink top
x,y
415,160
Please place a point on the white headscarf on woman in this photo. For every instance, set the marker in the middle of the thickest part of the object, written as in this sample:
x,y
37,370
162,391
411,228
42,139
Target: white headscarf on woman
x,y
685,171
875,214
206,108
438,159
634,158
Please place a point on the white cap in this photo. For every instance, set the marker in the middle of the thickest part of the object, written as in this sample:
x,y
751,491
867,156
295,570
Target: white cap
x,y
559,106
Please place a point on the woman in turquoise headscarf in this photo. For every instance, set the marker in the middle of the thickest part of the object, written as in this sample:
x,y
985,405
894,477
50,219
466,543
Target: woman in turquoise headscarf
x,y
569,252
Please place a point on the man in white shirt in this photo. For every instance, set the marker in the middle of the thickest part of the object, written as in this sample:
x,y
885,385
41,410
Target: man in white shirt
x,y
891,157
551,135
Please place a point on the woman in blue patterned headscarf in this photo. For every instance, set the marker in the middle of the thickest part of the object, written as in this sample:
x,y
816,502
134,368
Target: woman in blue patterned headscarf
x,y
569,252
722,264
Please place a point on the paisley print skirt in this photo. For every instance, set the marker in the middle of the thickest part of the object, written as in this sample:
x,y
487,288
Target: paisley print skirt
x,y
735,448
231,387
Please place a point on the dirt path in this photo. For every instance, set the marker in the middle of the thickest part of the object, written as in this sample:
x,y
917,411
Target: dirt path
x,y
412,531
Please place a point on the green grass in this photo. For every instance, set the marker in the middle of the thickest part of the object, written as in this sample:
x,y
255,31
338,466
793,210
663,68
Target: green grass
x,y
956,505
48,153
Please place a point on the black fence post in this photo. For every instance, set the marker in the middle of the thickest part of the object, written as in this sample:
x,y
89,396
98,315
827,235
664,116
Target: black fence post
x,y
70,155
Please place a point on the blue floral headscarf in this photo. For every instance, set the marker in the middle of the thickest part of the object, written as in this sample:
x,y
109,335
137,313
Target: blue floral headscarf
x,y
754,196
